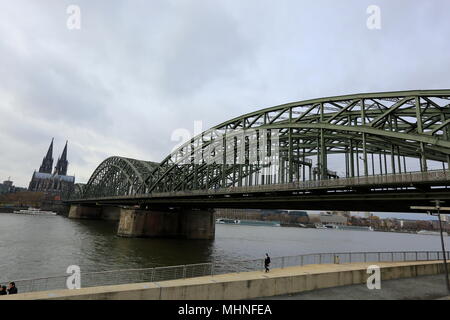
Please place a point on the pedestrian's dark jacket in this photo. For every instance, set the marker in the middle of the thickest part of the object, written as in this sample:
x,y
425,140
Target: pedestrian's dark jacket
x,y
12,290
3,292
267,261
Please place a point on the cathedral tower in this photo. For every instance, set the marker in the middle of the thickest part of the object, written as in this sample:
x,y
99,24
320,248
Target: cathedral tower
x,y
62,164
47,162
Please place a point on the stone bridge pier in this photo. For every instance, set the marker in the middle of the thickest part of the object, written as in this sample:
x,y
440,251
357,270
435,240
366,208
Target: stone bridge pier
x,y
185,223
94,212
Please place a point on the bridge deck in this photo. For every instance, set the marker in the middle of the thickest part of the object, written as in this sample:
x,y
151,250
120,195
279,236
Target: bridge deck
x,y
397,192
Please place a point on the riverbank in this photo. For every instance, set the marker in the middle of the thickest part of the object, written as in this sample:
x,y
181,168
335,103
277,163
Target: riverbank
x,y
246,285
42,246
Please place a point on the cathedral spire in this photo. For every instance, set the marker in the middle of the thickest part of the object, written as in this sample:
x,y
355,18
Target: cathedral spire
x,y
61,166
47,162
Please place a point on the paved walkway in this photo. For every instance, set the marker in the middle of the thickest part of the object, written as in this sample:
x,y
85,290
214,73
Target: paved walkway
x,y
350,292
418,288
288,271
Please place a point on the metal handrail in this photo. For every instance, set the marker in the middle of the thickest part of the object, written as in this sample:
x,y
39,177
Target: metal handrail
x,y
153,274
386,179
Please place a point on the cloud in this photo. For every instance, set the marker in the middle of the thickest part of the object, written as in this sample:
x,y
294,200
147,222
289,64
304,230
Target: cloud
x,y
135,73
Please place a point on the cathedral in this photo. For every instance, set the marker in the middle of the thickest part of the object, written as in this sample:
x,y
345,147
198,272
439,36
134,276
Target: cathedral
x,y
57,183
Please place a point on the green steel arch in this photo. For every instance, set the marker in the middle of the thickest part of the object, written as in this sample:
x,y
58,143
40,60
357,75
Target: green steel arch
x,y
392,125
78,191
368,134
118,176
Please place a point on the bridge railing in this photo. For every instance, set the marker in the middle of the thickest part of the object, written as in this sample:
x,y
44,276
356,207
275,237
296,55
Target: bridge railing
x,y
156,274
384,180
405,179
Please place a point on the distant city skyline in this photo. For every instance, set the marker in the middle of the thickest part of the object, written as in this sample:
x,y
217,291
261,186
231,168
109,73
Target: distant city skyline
x,y
397,215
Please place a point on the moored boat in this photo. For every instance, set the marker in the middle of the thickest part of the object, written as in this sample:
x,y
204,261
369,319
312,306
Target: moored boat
x,y
248,222
35,211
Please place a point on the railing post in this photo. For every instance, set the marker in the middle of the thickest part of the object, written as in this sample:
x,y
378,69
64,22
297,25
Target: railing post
x,y
428,255
302,260
379,257
212,269
320,258
392,257
282,263
404,256
365,256
416,255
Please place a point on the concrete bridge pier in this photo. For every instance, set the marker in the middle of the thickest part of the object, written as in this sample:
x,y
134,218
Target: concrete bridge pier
x,y
94,212
85,212
184,223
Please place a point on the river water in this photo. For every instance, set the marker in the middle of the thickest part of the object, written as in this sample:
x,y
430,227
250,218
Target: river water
x,y
39,246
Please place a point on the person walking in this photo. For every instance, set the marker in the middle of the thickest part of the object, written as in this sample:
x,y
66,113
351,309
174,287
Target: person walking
x,y
12,288
267,262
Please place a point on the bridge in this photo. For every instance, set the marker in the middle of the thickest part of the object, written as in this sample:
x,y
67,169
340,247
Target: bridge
x,y
364,152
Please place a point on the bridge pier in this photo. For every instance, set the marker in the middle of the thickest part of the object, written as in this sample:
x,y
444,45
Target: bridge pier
x,y
94,212
185,223
85,212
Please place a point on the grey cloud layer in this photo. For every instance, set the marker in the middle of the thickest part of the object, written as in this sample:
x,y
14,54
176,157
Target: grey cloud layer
x,y
138,70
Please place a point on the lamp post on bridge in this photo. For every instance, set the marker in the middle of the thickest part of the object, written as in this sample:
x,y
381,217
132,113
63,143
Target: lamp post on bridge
x,y
438,208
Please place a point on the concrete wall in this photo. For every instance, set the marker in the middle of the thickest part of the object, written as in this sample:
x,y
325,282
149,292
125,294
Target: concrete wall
x,y
187,224
131,223
85,212
244,285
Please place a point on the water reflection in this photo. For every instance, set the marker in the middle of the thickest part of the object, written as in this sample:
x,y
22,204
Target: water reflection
x,y
32,246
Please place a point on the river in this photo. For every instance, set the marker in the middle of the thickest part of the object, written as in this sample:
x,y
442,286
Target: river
x,y
40,246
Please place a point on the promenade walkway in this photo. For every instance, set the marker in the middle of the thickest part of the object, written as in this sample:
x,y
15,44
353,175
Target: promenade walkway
x,y
417,288
247,285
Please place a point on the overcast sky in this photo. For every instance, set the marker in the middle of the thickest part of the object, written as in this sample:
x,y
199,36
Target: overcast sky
x,y
136,71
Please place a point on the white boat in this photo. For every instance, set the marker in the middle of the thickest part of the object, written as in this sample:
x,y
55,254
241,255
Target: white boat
x,y
432,233
228,221
36,212
356,228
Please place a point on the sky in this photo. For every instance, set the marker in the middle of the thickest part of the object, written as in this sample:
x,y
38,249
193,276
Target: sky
x,y
136,72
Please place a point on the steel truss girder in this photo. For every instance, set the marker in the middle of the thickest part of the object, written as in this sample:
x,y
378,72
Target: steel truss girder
x,y
118,176
412,124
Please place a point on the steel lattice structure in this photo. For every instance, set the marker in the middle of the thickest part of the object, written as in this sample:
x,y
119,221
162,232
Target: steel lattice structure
x,y
78,190
118,176
369,134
